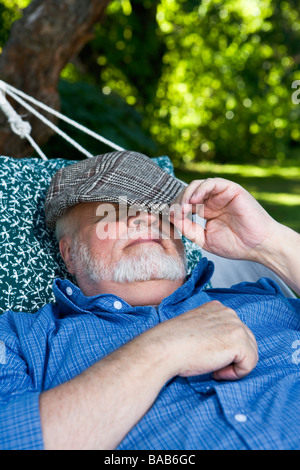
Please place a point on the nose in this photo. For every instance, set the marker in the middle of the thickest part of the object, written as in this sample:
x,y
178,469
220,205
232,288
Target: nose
x,y
140,217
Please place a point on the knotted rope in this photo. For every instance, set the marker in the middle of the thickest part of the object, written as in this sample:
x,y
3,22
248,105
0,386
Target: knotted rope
x,y
18,126
23,128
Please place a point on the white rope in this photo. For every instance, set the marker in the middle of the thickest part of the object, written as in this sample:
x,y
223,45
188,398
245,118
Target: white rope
x,y
18,126
13,92
36,147
51,125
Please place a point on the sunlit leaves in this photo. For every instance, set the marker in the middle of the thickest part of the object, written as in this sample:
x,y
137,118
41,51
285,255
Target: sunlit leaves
x,y
227,78
211,79
10,10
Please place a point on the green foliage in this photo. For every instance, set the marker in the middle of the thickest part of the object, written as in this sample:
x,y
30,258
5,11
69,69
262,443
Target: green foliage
x,y
197,80
275,187
225,92
108,115
10,11
126,53
212,79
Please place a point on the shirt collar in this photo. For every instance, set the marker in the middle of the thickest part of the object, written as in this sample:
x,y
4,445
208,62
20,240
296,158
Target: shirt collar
x,y
71,300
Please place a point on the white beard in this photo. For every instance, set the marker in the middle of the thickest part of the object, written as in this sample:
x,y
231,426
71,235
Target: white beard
x,y
148,264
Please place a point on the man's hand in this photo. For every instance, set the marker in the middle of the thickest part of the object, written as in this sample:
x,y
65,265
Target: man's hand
x,y
96,409
210,338
237,226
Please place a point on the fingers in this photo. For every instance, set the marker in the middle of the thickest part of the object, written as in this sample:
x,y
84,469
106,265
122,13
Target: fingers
x,y
181,212
206,198
220,343
243,342
238,370
212,187
181,218
185,195
200,190
227,373
243,363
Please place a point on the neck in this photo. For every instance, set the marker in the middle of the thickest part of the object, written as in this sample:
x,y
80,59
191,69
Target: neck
x,y
134,293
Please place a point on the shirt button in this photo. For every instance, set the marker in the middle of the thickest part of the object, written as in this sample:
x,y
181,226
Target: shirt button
x,y
240,418
117,304
69,291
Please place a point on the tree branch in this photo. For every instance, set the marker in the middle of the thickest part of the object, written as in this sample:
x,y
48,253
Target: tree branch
x,y
41,43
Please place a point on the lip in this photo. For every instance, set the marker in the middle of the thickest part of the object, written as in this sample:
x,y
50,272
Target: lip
x,y
139,241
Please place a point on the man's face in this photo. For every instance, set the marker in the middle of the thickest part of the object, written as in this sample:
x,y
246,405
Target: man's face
x,y
122,244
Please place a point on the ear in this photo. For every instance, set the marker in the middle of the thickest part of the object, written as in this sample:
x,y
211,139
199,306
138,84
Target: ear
x,y
65,251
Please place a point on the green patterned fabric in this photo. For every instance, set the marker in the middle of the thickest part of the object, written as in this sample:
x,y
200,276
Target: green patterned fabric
x,y
29,255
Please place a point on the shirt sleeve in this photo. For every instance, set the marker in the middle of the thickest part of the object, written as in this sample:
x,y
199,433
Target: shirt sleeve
x,y
20,427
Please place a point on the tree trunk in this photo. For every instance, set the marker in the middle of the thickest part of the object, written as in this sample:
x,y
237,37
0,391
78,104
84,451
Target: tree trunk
x,y
41,43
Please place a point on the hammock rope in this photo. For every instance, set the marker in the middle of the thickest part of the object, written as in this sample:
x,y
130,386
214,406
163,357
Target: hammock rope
x,y
23,128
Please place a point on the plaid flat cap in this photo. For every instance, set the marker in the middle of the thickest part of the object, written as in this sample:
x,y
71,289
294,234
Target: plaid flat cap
x,y
118,177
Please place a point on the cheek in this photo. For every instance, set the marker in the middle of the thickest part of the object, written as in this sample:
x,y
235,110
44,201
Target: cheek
x,y
180,248
105,248
102,249
110,231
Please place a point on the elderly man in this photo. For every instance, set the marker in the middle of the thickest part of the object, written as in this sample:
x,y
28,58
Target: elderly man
x,y
134,355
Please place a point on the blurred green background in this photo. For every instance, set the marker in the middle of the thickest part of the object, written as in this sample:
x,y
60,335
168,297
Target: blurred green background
x,y
208,83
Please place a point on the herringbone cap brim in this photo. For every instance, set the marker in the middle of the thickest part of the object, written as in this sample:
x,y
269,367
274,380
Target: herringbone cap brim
x,y
117,177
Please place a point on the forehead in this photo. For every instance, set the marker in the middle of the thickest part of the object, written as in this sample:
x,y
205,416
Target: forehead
x,y
90,209
86,211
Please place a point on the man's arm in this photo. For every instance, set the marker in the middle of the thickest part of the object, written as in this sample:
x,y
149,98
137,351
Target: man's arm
x,y
281,254
238,227
98,408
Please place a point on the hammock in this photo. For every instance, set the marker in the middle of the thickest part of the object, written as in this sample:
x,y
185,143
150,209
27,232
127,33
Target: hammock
x,y
23,128
29,259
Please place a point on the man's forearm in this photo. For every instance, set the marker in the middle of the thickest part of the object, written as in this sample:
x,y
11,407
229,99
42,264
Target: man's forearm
x,y
281,253
98,408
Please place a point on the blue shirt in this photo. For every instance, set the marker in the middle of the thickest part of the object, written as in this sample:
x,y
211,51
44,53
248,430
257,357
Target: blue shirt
x,y
260,411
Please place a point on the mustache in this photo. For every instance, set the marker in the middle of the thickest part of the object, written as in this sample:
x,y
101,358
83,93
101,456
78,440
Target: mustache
x,y
146,233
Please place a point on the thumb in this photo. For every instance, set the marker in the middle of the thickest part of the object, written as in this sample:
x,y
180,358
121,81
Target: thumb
x,y
226,373
180,216
237,370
